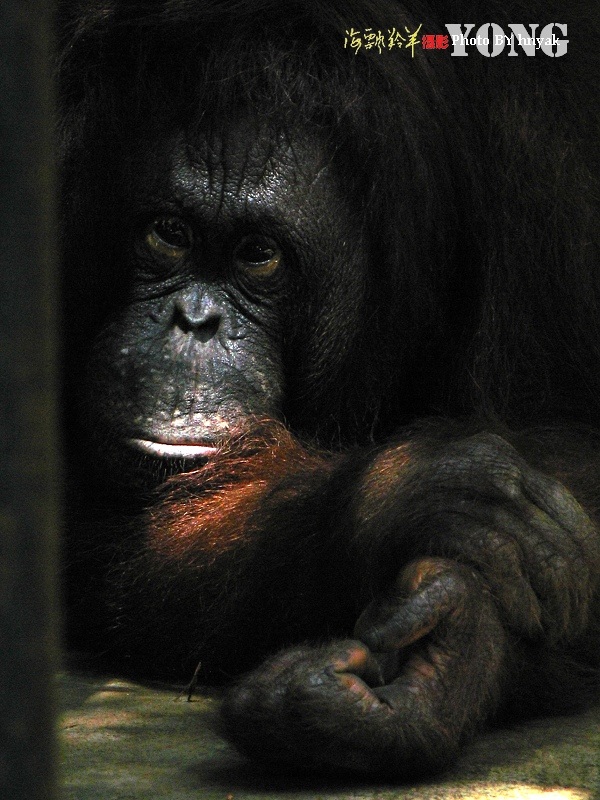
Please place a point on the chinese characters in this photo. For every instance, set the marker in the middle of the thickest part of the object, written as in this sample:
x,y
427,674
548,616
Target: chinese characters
x,y
377,39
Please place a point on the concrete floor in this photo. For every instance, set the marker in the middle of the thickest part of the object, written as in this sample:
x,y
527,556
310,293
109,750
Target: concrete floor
x,y
123,741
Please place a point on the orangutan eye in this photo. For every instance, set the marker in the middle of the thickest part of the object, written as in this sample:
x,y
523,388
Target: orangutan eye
x,y
258,256
169,236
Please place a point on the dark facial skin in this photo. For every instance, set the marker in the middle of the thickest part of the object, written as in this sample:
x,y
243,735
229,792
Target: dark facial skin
x,y
224,231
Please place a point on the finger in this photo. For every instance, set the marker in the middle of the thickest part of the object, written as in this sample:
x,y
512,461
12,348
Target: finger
x,y
426,592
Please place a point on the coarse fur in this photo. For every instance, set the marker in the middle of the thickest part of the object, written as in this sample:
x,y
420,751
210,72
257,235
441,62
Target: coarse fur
x,y
400,404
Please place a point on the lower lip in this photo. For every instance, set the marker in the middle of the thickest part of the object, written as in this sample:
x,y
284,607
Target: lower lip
x,y
163,450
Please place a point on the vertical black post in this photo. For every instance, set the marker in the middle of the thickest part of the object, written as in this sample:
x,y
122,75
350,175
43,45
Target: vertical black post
x,y
28,474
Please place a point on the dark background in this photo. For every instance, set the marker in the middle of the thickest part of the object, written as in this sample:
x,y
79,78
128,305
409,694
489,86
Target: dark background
x,y
28,446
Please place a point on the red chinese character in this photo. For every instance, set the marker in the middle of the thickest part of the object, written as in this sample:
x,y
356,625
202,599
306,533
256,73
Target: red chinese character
x,y
441,41
428,41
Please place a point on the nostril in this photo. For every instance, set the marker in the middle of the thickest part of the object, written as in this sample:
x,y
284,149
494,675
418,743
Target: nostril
x,y
204,325
207,330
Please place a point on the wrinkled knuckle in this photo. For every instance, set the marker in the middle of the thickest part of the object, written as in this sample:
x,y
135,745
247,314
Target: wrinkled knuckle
x,y
499,461
303,687
503,550
457,583
547,559
490,445
509,479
